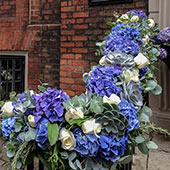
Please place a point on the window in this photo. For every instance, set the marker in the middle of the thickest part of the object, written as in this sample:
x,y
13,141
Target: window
x,y
100,2
12,75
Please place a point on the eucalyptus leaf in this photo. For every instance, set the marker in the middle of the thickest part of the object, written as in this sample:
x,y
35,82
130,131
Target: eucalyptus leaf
x,y
152,84
143,148
19,165
10,153
139,139
85,77
72,156
125,159
41,88
157,90
30,134
147,111
18,127
144,118
53,131
71,164
151,145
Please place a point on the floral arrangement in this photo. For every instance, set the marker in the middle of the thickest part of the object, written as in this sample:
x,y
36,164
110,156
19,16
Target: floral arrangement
x,y
98,129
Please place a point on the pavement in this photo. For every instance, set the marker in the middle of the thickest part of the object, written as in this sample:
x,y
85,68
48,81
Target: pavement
x,y
158,159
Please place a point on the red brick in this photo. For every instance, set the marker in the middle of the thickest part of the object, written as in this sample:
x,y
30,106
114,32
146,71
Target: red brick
x,y
76,75
63,62
67,32
79,38
140,4
67,9
64,3
63,38
65,44
68,21
80,14
78,56
79,21
70,93
83,26
63,73
78,88
66,80
80,63
67,56
80,50
67,68
63,15
79,44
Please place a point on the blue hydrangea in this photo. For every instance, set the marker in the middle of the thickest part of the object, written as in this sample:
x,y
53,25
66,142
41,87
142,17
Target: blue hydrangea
x,y
111,149
163,54
86,144
41,134
102,80
7,127
123,39
129,111
164,36
143,71
49,105
137,12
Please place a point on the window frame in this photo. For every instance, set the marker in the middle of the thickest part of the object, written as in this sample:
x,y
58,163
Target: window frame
x,y
23,69
103,2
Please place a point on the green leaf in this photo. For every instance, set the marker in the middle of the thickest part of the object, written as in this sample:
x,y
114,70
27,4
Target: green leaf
x,y
143,148
147,111
71,164
157,90
139,139
30,134
151,145
18,127
19,165
41,88
53,131
152,84
85,77
125,159
10,153
144,118
96,107
72,156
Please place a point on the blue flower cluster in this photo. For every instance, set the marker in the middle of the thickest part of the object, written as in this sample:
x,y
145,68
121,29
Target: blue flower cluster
x,y
164,36
129,111
7,127
41,134
143,71
111,149
102,80
123,39
86,145
49,105
137,12
163,54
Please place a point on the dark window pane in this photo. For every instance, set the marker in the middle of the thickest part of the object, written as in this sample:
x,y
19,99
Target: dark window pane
x,y
12,71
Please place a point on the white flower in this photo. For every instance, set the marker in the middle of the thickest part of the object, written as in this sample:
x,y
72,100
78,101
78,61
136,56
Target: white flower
x,y
131,75
124,16
135,18
31,120
141,61
67,139
145,39
113,99
73,114
118,20
90,127
102,61
7,108
151,23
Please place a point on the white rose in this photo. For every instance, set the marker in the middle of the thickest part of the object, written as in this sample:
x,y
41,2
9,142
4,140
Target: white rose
x,y
135,18
73,114
102,61
113,99
141,61
7,108
67,139
151,23
90,127
146,39
131,75
31,120
124,16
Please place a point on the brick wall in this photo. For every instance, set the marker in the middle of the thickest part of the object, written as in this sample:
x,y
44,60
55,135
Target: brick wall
x,y
81,27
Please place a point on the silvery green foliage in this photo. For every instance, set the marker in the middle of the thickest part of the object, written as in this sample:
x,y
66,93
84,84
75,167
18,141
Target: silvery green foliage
x,y
131,92
19,109
113,122
119,58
